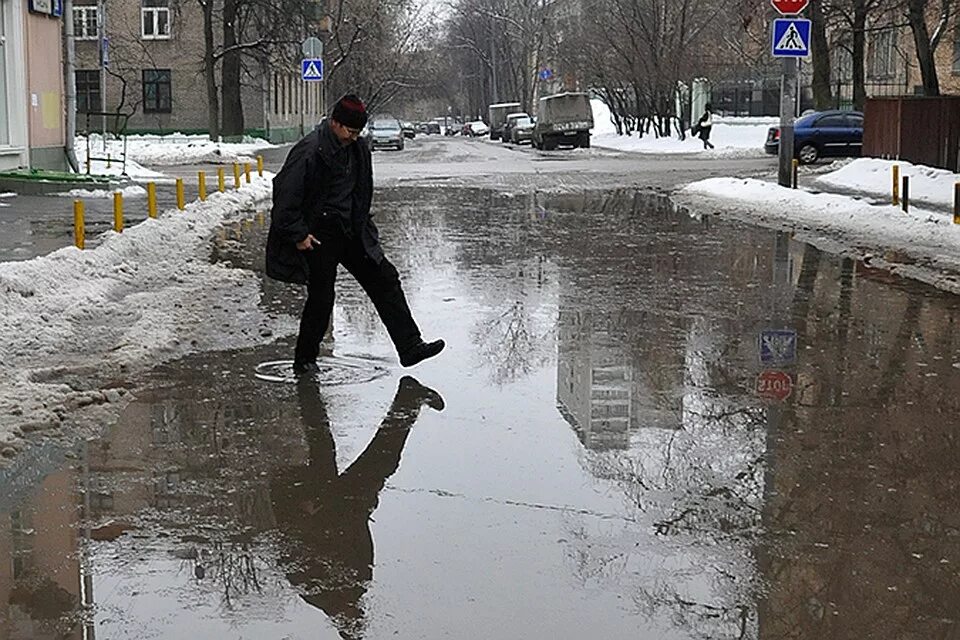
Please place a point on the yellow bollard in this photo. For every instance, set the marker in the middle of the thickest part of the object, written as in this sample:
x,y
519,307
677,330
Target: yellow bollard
x,y
202,185
181,200
236,175
152,199
118,212
261,219
260,166
221,180
896,185
956,203
79,232
246,171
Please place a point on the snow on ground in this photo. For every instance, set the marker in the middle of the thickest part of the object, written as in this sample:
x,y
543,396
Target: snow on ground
x,y
170,150
145,296
132,191
875,177
871,231
737,137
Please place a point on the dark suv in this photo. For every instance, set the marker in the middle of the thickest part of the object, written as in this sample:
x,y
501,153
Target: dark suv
x,y
822,134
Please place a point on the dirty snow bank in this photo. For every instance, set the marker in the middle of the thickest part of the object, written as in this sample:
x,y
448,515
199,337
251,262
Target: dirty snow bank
x,y
732,137
73,319
132,191
875,177
868,231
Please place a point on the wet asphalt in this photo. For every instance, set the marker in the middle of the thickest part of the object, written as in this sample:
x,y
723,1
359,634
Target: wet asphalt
x,y
591,457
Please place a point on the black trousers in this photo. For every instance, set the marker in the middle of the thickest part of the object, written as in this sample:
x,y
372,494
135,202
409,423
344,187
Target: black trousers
x,y
380,281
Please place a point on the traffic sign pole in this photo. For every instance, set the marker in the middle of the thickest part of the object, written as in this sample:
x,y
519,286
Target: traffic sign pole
x,y
788,99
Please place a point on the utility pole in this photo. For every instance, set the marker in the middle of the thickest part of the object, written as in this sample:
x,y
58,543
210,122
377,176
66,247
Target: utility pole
x,y
103,44
70,85
493,63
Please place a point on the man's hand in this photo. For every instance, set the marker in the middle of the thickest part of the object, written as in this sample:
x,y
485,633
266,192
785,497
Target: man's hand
x,y
307,243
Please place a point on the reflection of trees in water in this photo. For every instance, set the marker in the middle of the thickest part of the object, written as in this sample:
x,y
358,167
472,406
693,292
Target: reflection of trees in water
x,y
513,343
231,566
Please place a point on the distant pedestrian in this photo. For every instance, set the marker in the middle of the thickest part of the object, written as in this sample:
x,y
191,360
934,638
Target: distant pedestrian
x,y
705,126
321,219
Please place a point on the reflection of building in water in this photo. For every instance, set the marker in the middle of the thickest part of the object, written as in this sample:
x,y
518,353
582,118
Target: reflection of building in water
x,y
600,391
161,453
40,579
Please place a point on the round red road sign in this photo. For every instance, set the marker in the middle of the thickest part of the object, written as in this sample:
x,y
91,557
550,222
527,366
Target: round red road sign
x,y
774,385
789,7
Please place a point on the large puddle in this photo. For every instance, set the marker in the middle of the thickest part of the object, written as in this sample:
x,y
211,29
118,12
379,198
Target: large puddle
x,y
645,426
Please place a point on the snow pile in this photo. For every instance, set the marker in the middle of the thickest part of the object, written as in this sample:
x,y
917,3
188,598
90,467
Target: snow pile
x,y
875,177
132,191
731,136
929,237
77,319
175,149
115,165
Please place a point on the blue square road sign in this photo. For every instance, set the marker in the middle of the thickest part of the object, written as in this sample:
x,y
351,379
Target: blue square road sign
x,y
791,38
311,69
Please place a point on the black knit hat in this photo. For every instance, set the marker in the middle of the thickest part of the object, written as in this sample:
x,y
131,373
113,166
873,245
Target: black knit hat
x,y
350,112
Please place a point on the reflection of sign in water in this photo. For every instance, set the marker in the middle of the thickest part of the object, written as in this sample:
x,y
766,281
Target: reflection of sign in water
x,y
774,385
778,347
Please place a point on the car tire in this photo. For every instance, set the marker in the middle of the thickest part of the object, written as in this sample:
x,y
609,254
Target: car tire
x,y
584,140
808,153
549,144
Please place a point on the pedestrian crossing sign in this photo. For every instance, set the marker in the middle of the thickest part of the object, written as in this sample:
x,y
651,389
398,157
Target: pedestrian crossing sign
x,y
791,38
311,70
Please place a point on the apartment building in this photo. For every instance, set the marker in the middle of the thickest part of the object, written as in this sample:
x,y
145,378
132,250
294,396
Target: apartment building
x,y
31,85
148,66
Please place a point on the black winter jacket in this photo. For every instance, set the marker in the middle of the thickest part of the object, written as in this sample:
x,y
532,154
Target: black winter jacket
x,y
297,198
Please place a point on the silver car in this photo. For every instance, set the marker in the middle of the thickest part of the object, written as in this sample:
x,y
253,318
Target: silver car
x,y
386,133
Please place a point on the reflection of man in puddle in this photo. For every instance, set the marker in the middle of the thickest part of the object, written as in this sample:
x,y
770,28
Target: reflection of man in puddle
x,y
326,514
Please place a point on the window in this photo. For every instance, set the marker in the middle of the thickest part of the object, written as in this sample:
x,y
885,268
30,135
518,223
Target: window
x,y
157,93
836,121
884,54
88,91
85,23
155,19
956,49
854,121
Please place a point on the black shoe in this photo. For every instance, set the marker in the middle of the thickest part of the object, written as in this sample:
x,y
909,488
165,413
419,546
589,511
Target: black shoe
x,y
421,352
411,389
305,368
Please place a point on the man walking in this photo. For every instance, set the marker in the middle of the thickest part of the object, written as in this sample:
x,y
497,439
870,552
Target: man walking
x,y
705,126
321,219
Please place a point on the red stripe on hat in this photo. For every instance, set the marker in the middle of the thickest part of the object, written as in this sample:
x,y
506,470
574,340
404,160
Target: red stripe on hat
x,y
353,105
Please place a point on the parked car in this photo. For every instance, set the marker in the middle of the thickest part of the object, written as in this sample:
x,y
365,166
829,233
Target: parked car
x,y
521,130
409,130
386,132
497,115
433,128
563,119
822,134
475,128
509,123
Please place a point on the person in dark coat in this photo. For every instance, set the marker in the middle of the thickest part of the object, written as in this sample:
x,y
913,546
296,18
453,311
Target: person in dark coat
x,y
321,219
325,514
705,126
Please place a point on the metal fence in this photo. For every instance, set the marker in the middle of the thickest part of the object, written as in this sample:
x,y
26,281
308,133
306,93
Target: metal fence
x,y
762,98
